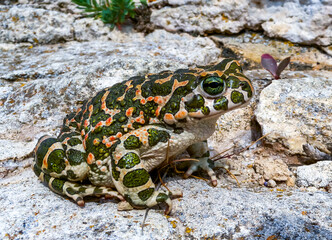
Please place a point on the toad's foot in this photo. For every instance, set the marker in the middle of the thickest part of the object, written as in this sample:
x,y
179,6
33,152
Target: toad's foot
x,y
207,165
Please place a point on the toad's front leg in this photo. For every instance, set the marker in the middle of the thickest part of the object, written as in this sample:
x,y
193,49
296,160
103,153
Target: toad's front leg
x,y
201,152
129,173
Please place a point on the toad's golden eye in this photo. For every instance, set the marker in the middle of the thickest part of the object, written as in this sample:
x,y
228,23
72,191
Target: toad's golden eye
x,y
213,86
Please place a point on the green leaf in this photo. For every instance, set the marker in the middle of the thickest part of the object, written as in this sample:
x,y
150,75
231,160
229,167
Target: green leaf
x,y
144,2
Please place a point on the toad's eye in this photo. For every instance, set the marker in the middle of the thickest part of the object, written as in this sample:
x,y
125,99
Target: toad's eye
x,y
213,86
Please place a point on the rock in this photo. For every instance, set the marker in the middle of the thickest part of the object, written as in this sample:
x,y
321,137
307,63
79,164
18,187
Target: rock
x,y
271,183
248,47
26,24
272,169
30,210
297,21
297,110
317,175
290,181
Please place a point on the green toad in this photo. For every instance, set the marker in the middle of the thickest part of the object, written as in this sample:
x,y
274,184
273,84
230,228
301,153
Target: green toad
x,y
109,146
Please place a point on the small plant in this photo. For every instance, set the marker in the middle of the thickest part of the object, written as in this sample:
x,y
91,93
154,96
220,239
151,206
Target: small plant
x,y
111,12
270,64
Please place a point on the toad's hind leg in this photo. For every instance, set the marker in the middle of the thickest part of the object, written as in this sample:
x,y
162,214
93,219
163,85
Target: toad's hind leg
x,y
60,164
75,190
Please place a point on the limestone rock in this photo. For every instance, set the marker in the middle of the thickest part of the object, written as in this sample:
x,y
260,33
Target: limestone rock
x,y
306,22
26,24
317,175
30,210
272,169
297,110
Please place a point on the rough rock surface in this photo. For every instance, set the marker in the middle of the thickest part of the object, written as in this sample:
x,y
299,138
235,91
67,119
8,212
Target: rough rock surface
x,y
297,111
317,175
272,169
306,22
34,212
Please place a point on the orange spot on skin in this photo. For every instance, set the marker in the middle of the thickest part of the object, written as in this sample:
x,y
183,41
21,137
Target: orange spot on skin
x,y
103,106
91,158
112,138
86,123
132,120
181,114
130,126
146,134
179,84
103,169
118,135
142,121
150,98
103,99
96,141
158,111
109,121
109,144
143,101
82,132
144,142
196,114
84,144
90,108
45,165
98,162
104,141
129,112
99,125
169,118
203,74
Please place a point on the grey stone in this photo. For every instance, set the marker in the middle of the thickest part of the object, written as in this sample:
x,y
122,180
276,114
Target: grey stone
x,y
305,22
27,24
30,210
272,169
317,175
297,110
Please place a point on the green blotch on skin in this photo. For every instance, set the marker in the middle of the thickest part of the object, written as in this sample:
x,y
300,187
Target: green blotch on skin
x,y
36,170
75,157
205,110
156,136
129,160
246,87
221,103
71,191
237,97
56,161
195,103
115,174
71,174
97,190
57,185
136,178
145,194
178,130
132,142
74,141
162,197
43,149
233,82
